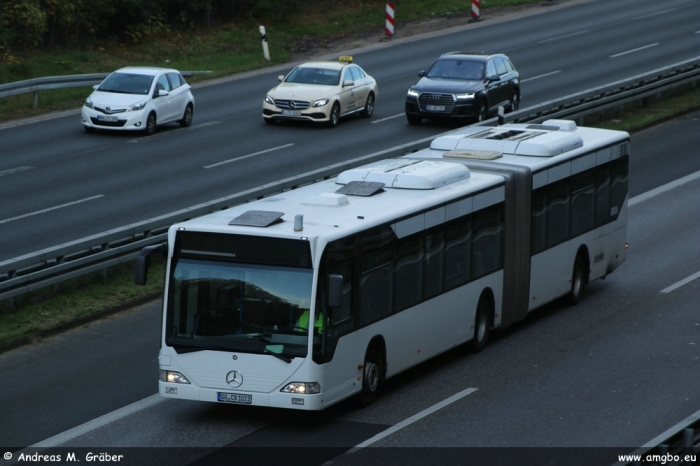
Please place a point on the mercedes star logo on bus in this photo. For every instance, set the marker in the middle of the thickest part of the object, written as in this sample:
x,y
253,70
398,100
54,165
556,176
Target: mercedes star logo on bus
x,y
234,379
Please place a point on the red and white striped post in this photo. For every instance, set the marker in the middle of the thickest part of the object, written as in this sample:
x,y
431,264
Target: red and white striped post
x,y
475,11
389,28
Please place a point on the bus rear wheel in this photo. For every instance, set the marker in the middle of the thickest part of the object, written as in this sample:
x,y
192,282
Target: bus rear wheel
x,y
371,375
482,325
579,278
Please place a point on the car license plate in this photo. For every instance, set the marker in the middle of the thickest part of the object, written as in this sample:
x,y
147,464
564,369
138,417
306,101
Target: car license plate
x,y
106,118
291,112
234,398
435,108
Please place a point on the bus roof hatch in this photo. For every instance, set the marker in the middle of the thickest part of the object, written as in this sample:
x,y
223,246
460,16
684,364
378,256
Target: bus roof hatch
x,y
542,141
407,174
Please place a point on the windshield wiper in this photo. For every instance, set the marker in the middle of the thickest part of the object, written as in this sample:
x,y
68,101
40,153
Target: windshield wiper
x,y
278,355
191,349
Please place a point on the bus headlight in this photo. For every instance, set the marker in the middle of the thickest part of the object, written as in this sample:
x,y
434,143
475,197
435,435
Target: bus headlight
x,y
302,388
173,377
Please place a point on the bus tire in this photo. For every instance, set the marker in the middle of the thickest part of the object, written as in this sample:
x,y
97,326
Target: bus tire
x,y
371,376
482,325
579,277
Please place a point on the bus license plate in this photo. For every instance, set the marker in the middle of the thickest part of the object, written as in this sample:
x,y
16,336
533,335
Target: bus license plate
x,y
291,112
106,118
436,108
234,398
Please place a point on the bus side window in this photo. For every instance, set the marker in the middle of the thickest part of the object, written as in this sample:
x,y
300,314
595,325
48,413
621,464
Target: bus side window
x,y
375,286
408,273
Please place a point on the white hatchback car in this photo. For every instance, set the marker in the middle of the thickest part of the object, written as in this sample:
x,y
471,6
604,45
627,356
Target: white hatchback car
x,y
139,99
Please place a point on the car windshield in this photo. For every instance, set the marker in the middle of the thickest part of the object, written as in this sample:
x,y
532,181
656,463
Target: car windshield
x,y
457,69
308,75
127,83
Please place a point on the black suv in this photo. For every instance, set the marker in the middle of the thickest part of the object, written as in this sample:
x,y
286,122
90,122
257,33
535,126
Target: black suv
x,y
464,85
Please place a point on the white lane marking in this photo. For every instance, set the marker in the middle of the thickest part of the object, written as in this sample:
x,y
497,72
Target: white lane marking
x,y
681,283
249,155
634,50
52,208
412,419
654,14
388,118
664,188
565,36
174,131
540,76
94,424
12,171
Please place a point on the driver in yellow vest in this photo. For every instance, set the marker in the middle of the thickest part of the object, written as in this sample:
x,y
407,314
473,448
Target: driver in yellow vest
x,y
303,322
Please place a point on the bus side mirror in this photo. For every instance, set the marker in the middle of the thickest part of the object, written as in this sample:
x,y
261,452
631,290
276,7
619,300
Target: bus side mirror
x,y
143,259
335,290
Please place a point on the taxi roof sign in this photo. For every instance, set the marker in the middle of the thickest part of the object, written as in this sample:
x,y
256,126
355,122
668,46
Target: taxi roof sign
x,y
346,58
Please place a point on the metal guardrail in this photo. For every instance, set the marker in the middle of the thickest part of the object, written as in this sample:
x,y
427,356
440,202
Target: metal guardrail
x,y
676,446
613,95
61,82
59,263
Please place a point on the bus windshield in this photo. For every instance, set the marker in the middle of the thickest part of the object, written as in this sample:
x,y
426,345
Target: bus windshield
x,y
228,306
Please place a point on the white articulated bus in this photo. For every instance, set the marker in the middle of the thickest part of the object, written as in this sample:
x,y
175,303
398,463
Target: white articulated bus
x,y
305,298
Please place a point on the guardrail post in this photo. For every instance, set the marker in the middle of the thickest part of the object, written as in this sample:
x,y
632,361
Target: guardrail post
x,y
688,441
105,271
36,99
58,286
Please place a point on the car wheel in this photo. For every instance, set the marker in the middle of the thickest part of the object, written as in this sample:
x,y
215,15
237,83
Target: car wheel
x,y
187,116
481,113
150,124
482,325
335,116
578,281
89,129
515,102
371,376
414,119
369,107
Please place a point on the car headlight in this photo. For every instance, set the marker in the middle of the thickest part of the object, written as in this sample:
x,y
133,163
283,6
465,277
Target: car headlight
x,y
136,107
413,93
88,103
302,388
173,377
466,95
269,100
320,103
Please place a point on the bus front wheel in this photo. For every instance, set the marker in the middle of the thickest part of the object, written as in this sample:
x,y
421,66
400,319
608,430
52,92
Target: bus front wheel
x,y
482,325
371,375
